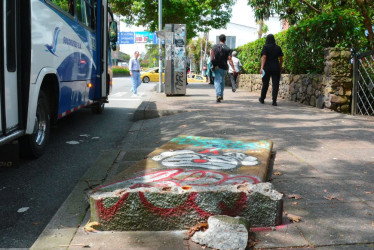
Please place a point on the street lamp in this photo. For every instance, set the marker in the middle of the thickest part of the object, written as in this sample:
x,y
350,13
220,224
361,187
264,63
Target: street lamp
x,y
159,89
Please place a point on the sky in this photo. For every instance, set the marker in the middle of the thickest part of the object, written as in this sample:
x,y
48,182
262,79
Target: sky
x,y
243,14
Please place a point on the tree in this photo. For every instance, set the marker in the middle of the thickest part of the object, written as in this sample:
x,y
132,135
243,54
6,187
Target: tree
x,y
151,56
194,49
296,10
262,28
199,16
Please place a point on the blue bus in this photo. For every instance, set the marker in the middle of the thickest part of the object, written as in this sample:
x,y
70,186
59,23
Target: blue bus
x,y
55,59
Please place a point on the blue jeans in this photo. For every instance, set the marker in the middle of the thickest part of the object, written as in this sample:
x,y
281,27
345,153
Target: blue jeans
x,y
219,81
135,81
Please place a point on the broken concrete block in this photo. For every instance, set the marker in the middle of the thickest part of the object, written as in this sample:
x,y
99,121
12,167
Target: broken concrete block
x,y
224,232
187,180
175,208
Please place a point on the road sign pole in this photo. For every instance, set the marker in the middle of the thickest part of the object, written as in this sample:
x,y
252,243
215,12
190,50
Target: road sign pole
x,y
159,87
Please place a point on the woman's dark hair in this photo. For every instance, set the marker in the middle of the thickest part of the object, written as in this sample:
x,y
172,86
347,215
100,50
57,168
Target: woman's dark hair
x,y
270,39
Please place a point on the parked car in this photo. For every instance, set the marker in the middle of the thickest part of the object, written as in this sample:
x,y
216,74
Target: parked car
x,y
196,78
151,75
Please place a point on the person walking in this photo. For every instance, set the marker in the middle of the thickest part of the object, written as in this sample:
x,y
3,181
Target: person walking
x,y
237,67
219,56
271,66
210,70
134,68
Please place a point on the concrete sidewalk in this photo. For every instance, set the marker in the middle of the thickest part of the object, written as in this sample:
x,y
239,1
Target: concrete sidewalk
x,y
323,163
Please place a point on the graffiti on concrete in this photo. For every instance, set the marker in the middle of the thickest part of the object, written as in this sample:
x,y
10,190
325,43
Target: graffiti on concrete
x,y
181,177
106,214
207,159
176,178
220,144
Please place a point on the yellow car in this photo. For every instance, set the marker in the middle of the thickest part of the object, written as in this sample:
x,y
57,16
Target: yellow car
x,y
196,78
151,75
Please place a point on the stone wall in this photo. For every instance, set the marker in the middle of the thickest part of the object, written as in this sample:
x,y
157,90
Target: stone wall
x,y
330,90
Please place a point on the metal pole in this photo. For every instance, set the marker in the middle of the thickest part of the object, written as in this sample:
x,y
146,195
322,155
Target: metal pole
x,y
354,85
159,87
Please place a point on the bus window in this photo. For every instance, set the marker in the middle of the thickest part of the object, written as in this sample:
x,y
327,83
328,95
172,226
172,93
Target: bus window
x,y
86,12
65,5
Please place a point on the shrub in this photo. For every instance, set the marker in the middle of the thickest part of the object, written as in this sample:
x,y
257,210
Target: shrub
x,y
117,70
307,41
303,45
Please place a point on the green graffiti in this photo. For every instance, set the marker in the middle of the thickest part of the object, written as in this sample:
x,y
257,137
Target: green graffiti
x,y
220,143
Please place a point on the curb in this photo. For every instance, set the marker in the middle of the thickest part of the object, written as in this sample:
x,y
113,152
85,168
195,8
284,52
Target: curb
x,y
146,110
64,224
143,112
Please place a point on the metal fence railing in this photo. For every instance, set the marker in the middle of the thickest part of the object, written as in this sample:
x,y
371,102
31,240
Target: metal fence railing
x,y
363,84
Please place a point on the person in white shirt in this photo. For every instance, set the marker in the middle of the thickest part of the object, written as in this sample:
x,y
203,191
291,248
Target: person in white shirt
x,y
134,68
234,75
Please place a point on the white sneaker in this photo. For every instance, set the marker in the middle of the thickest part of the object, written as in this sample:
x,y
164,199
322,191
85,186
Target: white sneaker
x,y
135,95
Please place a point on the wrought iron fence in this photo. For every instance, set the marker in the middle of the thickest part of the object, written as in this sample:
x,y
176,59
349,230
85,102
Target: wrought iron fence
x,y
363,84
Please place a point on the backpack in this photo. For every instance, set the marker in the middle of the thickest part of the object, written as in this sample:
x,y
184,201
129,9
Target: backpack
x,y
218,55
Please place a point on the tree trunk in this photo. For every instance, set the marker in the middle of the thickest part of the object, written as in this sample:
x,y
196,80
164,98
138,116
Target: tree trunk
x,y
260,26
367,20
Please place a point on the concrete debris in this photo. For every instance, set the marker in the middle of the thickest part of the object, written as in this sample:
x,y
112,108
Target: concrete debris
x,y
224,232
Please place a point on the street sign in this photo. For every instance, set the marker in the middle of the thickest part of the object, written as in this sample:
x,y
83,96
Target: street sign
x,y
144,37
126,37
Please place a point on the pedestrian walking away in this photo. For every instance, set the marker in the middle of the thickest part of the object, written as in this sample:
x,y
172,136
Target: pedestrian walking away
x,y
210,70
188,68
219,56
134,67
271,66
237,67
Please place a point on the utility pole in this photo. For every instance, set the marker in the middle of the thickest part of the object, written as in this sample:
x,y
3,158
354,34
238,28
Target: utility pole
x,y
201,55
206,45
159,88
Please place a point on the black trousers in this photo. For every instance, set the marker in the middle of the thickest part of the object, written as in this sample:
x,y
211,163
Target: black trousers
x,y
275,77
233,81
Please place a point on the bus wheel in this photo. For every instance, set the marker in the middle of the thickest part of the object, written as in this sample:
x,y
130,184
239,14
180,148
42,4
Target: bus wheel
x,y
34,145
97,108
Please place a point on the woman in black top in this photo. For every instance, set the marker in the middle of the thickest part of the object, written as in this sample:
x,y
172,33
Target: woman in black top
x,y
272,67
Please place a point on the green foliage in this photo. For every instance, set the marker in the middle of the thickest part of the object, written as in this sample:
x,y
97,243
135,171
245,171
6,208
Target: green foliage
x,y
125,56
250,56
307,41
303,45
295,11
199,16
194,51
120,71
150,58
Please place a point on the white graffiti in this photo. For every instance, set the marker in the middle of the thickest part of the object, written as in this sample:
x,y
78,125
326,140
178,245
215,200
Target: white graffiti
x,y
206,160
180,178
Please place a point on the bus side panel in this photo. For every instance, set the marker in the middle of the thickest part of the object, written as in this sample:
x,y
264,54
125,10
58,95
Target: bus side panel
x,y
60,42
2,15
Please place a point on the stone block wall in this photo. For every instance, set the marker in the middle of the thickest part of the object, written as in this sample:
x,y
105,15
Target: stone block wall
x,y
332,90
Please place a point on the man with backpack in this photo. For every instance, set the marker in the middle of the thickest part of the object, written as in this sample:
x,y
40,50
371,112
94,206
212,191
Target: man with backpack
x,y
220,56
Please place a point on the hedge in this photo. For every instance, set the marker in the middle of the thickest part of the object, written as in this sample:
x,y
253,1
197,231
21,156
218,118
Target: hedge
x,y
120,71
303,45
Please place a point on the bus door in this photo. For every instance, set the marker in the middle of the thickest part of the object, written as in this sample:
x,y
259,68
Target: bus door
x,y
9,98
103,49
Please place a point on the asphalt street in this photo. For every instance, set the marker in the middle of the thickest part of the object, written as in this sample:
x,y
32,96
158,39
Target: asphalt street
x,y
31,193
